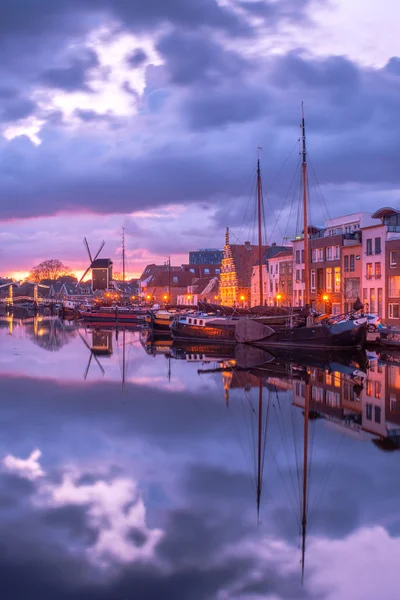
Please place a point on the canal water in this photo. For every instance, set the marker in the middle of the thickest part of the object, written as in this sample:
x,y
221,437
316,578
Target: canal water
x,y
133,468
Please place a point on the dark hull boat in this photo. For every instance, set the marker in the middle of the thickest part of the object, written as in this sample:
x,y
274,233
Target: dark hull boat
x,y
114,316
345,334
205,328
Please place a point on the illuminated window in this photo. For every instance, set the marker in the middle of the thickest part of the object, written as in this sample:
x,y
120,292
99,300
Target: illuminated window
x,y
378,389
337,279
393,258
329,279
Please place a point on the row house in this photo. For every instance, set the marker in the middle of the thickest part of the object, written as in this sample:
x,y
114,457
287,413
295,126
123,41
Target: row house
x,y
298,271
381,274
277,276
336,258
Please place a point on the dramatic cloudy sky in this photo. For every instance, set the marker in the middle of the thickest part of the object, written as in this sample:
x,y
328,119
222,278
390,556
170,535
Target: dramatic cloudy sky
x,y
149,114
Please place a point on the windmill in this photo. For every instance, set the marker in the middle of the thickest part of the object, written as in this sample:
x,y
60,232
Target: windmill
x,y
92,260
92,355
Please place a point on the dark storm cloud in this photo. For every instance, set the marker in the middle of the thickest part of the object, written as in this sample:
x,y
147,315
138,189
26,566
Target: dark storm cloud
x,y
72,77
222,108
137,58
13,109
192,58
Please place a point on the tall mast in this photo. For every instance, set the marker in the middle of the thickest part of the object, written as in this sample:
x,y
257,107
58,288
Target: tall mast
x,y
305,474
305,217
123,362
123,260
259,449
169,280
260,253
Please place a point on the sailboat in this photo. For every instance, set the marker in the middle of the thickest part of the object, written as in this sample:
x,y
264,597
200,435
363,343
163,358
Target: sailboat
x,y
297,329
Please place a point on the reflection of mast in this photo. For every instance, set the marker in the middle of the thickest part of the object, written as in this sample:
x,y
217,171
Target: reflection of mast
x,y
123,362
259,447
305,473
123,262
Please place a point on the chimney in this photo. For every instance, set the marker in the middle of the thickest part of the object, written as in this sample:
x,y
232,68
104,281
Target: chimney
x,y
248,245
273,243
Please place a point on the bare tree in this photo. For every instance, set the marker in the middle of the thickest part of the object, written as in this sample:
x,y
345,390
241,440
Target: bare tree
x,y
50,269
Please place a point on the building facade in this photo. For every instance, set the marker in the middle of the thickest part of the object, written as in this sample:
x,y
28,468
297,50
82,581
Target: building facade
x,y
206,256
236,273
277,271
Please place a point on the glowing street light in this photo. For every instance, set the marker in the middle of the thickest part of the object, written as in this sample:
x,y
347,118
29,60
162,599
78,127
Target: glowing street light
x,y
165,296
325,297
279,296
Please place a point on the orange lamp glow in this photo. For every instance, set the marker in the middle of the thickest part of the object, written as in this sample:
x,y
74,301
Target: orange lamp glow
x,y
148,296
189,297
279,297
242,298
165,297
325,297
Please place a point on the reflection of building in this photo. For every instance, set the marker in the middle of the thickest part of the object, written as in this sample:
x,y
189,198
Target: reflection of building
x,y
371,411
102,342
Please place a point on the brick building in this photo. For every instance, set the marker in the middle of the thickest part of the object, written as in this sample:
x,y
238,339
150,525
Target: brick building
x,y
236,272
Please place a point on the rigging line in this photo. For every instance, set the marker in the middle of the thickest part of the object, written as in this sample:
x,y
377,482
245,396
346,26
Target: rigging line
x,y
285,199
242,188
265,435
282,167
297,455
285,448
244,453
250,200
284,483
299,220
294,197
327,475
318,185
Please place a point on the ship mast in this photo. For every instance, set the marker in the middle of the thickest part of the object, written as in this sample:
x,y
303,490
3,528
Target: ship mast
x,y
305,475
305,216
259,206
123,261
259,448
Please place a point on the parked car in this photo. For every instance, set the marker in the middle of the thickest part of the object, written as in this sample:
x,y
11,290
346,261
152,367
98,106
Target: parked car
x,y
373,322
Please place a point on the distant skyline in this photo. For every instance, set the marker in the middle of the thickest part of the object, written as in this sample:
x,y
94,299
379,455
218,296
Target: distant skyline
x,y
148,116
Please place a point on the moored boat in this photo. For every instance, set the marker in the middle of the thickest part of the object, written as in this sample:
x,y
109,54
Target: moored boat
x,y
160,320
343,334
210,328
117,314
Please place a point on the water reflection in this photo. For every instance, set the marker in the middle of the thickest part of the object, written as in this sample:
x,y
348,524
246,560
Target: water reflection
x,y
224,472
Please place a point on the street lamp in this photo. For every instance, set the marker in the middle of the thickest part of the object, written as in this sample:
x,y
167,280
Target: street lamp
x,y
278,298
242,300
165,297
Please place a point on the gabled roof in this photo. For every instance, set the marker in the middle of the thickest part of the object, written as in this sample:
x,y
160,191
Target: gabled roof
x,y
244,257
183,279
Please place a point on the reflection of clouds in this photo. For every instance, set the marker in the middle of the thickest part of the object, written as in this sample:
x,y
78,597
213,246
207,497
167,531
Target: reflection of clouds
x,y
114,508
29,467
362,566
